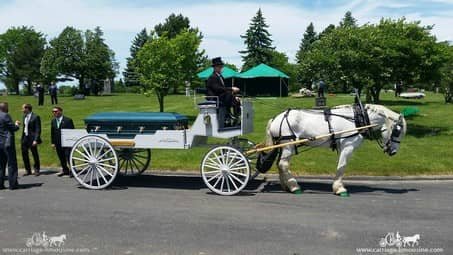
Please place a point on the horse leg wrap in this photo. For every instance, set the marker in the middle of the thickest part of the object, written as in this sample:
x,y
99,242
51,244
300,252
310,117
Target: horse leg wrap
x,y
338,188
292,185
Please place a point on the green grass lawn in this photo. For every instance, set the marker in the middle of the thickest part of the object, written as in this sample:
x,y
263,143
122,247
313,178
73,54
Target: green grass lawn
x,y
427,148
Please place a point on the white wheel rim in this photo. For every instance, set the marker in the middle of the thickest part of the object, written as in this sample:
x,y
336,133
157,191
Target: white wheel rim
x,y
225,170
94,162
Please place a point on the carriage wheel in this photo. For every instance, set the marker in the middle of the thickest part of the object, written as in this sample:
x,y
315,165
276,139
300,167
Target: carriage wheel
x,y
133,161
225,170
94,162
243,145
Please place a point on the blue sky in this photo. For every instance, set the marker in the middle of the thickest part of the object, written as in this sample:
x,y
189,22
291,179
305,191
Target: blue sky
x,y
222,22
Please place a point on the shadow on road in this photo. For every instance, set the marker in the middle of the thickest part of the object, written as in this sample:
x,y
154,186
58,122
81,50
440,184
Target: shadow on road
x,y
30,185
319,187
253,187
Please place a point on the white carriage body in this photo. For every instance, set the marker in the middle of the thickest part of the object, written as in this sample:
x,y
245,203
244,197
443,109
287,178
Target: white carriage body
x,y
205,125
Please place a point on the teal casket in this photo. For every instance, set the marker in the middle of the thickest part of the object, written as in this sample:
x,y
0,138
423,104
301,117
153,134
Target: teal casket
x,y
129,124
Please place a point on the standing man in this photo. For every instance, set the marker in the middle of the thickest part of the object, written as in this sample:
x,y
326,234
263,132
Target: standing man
x,y
58,123
8,148
321,88
216,87
40,91
53,90
31,137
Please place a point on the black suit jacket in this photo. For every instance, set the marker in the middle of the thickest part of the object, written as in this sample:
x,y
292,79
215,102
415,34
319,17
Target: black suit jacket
x,y
7,129
34,128
215,86
55,131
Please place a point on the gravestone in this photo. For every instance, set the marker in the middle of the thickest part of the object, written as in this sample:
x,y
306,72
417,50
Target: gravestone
x,y
107,87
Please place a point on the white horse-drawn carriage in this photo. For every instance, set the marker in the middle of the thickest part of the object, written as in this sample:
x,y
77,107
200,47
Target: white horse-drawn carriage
x,y
122,142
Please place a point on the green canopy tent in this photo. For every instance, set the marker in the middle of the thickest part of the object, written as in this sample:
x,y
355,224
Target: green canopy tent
x,y
263,80
227,73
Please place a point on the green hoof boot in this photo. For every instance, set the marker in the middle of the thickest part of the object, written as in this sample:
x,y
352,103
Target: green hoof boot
x,y
297,192
344,194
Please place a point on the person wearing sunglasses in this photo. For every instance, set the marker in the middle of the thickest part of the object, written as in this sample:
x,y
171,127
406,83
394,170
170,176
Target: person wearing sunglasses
x,y
58,123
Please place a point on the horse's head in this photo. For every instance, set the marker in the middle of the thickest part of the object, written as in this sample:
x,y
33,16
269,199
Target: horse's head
x,y
393,132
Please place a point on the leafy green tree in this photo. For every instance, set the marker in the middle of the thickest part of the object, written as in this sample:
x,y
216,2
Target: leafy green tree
x,y
372,56
446,74
163,62
348,20
280,61
21,51
171,28
131,76
66,55
83,56
258,43
173,25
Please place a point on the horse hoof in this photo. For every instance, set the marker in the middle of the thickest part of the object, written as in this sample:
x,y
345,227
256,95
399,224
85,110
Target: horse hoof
x,y
344,194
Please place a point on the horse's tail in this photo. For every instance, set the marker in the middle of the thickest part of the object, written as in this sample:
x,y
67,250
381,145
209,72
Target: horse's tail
x,y
269,139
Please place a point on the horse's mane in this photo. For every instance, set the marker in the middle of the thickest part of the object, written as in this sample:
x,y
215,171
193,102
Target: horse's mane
x,y
383,110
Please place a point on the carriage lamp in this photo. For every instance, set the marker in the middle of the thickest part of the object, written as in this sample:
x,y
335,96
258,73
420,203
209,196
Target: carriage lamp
x,y
96,128
141,129
164,127
119,128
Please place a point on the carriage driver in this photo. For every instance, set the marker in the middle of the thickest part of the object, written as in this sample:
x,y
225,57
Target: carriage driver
x,y
216,87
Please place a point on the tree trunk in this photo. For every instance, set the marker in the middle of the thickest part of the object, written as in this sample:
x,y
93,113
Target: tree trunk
x,y
161,103
81,79
16,86
29,88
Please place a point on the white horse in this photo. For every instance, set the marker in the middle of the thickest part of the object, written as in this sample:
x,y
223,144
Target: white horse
x,y
411,241
57,240
307,123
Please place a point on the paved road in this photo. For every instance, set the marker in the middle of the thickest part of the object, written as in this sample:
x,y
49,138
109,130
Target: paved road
x,y
177,215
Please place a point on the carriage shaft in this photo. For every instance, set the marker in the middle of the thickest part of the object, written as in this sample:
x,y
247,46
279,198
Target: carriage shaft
x,y
268,148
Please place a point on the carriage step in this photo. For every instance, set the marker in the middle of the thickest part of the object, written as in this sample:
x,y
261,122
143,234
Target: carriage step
x,y
122,142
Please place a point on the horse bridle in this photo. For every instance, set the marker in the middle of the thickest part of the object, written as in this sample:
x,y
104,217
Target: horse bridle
x,y
397,128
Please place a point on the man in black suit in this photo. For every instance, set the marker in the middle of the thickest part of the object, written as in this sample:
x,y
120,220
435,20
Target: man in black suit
x,y
53,91
216,88
7,147
58,123
31,137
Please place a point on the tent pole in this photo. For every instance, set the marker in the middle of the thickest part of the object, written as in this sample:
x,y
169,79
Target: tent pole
x,y
280,86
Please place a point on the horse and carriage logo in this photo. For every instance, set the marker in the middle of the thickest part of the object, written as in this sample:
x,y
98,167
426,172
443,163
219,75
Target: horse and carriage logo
x,y
41,239
392,239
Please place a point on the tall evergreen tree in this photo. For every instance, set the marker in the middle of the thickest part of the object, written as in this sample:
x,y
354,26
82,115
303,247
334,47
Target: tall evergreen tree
x,y
348,20
258,43
309,38
131,77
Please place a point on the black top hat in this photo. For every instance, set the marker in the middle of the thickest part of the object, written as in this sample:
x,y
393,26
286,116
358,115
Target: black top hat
x,y
217,61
